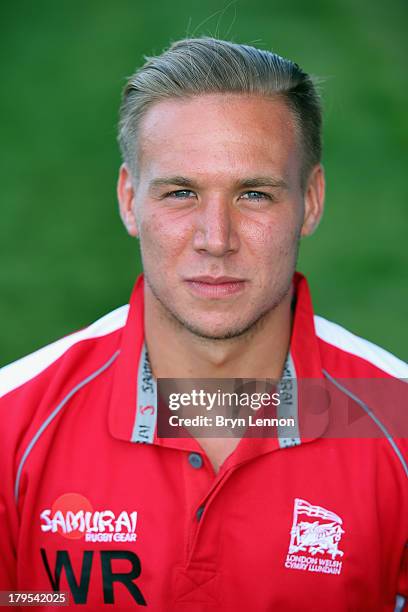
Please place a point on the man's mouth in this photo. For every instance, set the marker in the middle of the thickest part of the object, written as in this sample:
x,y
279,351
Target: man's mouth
x,y
215,286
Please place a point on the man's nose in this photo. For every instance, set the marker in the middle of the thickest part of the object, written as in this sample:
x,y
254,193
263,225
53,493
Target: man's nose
x,y
215,231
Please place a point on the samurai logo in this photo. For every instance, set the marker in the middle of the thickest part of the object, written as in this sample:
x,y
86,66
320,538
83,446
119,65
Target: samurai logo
x,y
315,532
73,517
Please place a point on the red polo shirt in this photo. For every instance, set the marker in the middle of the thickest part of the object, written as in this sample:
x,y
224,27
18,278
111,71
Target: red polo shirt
x,y
310,523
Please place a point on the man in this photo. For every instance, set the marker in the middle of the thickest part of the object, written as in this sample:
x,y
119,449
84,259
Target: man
x,y
221,178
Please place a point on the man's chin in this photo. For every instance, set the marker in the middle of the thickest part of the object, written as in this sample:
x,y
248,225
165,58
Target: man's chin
x,y
221,331
210,333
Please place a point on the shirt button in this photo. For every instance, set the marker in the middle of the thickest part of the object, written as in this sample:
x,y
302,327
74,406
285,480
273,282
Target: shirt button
x,y
195,460
199,512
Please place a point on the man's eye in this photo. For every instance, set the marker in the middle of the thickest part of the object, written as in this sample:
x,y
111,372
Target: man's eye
x,y
181,194
256,195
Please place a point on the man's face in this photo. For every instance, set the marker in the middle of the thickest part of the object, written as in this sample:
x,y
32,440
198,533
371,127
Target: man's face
x,y
218,194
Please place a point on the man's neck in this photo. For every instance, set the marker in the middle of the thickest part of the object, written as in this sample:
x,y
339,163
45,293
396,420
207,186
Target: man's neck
x,y
175,352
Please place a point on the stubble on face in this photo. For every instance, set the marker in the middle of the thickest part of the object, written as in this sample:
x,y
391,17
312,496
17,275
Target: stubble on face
x,y
247,330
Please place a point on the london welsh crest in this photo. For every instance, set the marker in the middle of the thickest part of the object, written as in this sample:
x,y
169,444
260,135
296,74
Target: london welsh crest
x,y
314,539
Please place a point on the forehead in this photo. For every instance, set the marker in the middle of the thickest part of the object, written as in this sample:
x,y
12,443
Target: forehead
x,y
227,132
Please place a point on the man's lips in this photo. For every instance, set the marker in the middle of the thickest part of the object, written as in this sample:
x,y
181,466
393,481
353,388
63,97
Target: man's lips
x,y
215,286
215,280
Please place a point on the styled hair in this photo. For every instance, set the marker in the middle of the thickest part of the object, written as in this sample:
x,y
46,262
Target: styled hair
x,y
195,66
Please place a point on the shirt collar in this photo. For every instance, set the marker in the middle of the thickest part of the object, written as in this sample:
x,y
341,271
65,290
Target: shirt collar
x,y
304,350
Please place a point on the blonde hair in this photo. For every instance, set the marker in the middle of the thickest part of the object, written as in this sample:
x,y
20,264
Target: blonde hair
x,y
195,66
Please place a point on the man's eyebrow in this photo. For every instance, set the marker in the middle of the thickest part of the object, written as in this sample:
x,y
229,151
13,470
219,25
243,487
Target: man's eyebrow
x,y
248,183
262,181
180,181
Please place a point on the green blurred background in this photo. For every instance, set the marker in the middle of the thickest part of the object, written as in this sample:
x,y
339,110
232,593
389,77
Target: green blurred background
x,y
65,258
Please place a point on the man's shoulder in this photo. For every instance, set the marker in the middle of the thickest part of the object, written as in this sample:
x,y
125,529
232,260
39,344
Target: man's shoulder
x,y
351,355
84,348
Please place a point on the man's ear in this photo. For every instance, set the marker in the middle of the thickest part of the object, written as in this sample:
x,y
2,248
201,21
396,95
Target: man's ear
x,y
126,198
314,200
